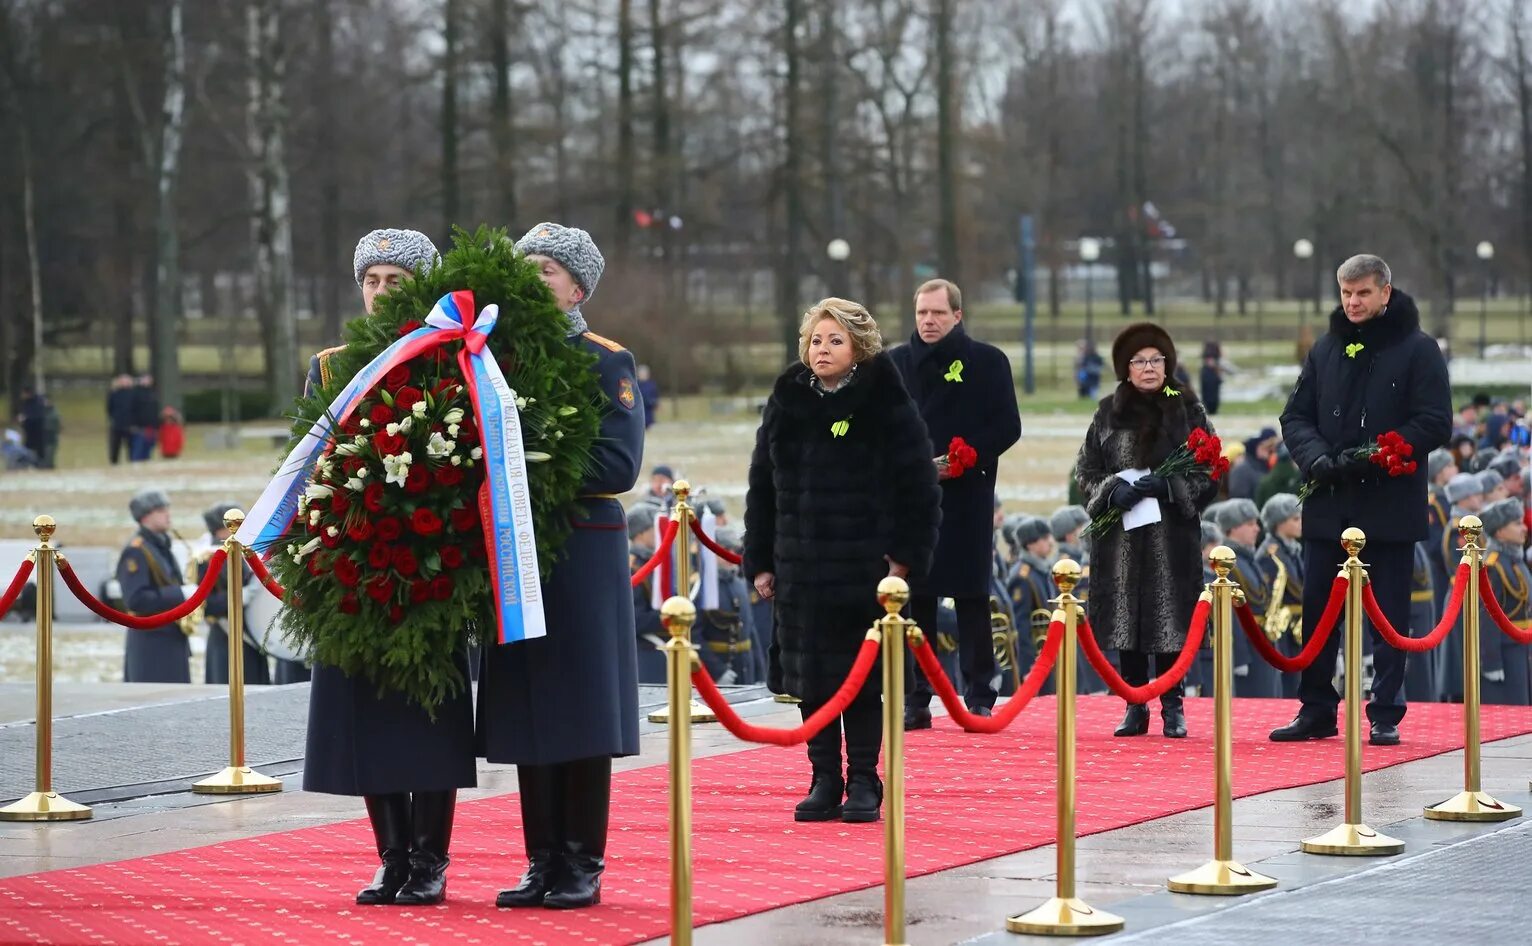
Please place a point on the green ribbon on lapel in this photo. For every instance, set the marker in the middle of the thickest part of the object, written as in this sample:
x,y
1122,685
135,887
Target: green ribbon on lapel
x,y
954,371
840,428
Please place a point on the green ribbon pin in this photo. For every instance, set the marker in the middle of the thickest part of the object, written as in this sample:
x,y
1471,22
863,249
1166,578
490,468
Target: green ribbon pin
x,y
840,427
955,372
1353,348
1171,392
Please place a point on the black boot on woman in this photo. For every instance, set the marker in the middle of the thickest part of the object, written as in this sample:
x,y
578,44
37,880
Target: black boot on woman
x,y
541,829
432,813
864,738
586,797
823,802
390,817
1136,722
1173,714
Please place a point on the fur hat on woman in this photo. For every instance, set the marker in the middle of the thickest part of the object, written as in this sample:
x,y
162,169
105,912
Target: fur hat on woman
x,y
1138,336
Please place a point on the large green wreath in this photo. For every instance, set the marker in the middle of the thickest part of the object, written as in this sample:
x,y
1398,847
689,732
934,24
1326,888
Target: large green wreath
x,y
387,579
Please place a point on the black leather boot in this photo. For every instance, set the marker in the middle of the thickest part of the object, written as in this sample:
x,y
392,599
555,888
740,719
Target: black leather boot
x,y
823,800
540,829
390,817
432,813
586,798
1136,722
1173,713
864,797
864,740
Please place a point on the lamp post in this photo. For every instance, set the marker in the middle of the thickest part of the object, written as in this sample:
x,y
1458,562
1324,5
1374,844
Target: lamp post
x,y
839,251
1090,251
1304,250
1486,252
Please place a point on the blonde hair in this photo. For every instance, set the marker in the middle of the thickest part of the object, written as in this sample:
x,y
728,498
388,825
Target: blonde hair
x,y
857,322
954,294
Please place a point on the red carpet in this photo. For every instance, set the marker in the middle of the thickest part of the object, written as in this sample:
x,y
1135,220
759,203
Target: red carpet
x,y
970,798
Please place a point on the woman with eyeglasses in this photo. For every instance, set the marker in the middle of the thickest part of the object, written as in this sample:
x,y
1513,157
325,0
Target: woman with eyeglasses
x,y
1144,581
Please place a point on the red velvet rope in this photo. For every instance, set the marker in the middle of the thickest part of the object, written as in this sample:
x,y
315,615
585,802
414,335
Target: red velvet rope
x,y
1327,621
712,546
1497,613
258,567
14,591
708,690
932,668
146,622
1416,645
660,554
1161,684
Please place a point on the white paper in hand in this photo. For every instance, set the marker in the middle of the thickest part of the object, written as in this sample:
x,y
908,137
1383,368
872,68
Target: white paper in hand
x,y
1147,512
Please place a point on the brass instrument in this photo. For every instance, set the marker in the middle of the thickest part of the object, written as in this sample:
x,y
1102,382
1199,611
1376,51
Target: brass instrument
x,y
192,621
1279,619
1002,635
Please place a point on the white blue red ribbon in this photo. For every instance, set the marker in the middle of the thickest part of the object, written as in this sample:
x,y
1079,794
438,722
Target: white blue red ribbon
x,y
505,503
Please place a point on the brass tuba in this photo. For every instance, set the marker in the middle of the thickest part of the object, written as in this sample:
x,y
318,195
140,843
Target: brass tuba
x,y
1278,618
1003,639
192,621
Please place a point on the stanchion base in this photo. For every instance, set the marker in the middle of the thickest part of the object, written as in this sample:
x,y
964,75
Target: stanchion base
x,y
699,714
1355,840
44,806
1064,917
1221,878
786,698
1473,806
236,780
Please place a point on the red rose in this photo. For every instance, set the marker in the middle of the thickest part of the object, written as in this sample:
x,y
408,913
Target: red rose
x,y
1410,468
388,444
330,541
410,326
465,519
404,561
349,604
420,591
381,413
425,522
360,530
389,529
405,398
468,433
418,480
379,556
398,376
395,613
1406,450
352,465
346,572
340,502
372,497
477,553
351,426
448,475
380,588
315,566
441,587
452,557
447,387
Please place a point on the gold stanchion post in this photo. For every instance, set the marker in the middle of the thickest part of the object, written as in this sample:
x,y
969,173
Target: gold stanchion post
x,y
893,595
678,614
238,778
1066,914
1353,837
1472,804
44,804
1223,875
683,558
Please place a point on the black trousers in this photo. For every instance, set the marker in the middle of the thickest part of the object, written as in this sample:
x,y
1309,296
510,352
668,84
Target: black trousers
x,y
1390,566
863,722
976,651
118,440
1135,671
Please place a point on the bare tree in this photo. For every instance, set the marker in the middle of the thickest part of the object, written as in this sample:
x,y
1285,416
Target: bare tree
x,y
450,182
946,141
501,118
789,268
270,197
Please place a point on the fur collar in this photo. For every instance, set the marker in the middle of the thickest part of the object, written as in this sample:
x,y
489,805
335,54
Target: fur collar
x,y
875,383
1400,320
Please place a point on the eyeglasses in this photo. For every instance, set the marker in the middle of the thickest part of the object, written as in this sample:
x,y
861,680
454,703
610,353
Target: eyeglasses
x,y
1139,364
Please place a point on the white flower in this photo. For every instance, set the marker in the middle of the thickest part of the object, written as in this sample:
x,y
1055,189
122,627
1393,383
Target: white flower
x,y
568,411
318,491
303,505
309,548
558,435
452,430
398,468
521,403
346,449
362,472
457,461
418,409
439,446
292,548
330,531
453,417
359,440
314,518
355,484
403,427
477,453
536,456
364,423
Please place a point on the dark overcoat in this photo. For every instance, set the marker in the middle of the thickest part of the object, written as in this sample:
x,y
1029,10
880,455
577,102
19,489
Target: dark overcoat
x,y
1261,679
1421,673
1509,576
1144,583
216,665
151,583
574,693
980,408
363,742
1395,381
826,504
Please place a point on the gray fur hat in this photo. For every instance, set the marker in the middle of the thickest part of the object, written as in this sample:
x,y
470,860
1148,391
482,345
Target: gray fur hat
x,y
213,515
1489,480
146,501
1507,465
571,247
1497,515
409,249
731,537
1236,512
1031,529
1067,519
1462,486
1439,460
1211,534
1278,509
641,519
1008,527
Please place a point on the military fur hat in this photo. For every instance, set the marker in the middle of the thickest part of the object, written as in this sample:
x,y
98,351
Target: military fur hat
x,y
1142,335
731,537
641,519
1497,515
1211,534
571,247
1462,486
1008,527
1507,465
1278,509
1489,480
1067,519
146,501
213,515
1031,529
1235,513
1439,460
408,249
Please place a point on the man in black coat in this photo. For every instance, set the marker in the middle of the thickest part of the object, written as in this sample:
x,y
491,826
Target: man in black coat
x,y
119,418
963,388
1374,371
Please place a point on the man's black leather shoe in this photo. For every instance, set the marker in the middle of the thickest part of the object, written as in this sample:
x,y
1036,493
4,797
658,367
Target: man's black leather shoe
x,y
1304,727
1384,734
916,717
981,711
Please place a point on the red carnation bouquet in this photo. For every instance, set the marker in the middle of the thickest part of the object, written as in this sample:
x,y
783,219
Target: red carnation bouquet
x,y
960,458
1201,453
1391,452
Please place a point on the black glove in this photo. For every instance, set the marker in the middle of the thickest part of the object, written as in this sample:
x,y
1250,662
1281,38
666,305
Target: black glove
x,y
1326,469
1124,496
1356,467
1153,485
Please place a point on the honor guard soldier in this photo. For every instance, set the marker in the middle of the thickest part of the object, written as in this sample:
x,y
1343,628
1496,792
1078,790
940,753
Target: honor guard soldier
x,y
1281,561
1421,679
1031,590
1465,497
257,669
1067,522
151,583
1201,674
727,634
1503,663
648,632
1241,525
